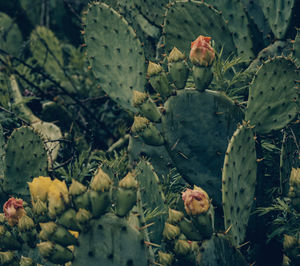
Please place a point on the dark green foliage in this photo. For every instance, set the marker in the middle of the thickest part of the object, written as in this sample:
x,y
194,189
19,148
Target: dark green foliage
x,y
238,182
197,127
115,54
273,95
110,241
26,158
186,20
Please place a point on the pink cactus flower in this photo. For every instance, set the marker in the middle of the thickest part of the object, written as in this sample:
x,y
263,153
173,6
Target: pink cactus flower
x,y
202,54
196,201
13,210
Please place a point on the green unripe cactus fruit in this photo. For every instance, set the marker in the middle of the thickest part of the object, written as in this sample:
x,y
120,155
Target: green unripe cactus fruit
x,y
55,252
99,192
146,106
178,68
83,218
126,195
149,133
56,233
158,79
79,195
202,77
68,219
171,231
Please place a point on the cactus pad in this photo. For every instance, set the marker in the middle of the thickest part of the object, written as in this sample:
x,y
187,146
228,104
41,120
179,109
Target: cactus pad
x,y
219,251
186,20
152,197
273,95
278,13
110,241
26,158
10,35
153,10
238,24
115,54
197,127
238,182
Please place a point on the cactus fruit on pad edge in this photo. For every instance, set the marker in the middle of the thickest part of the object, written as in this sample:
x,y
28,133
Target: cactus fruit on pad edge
x,y
115,54
273,95
110,241
196,127
238,182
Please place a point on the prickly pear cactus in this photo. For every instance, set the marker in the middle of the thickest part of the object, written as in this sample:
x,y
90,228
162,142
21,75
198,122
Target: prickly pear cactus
x,y
278,14
46,49
26,158
115,54
10,35
152,198
197,127
153,10
119,244
297,48
219,251
238,24
273,95
238,182
186,20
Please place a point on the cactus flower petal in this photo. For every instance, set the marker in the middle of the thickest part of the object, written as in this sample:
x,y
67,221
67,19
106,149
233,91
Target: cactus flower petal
x,y
202,54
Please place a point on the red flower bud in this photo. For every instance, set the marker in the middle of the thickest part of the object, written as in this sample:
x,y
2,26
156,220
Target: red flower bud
x,y
202,54
13,210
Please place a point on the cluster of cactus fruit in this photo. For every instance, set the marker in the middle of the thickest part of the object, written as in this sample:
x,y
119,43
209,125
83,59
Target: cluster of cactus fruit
x,y
213,141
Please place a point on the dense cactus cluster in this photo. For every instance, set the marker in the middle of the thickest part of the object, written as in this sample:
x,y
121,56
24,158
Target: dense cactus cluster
x,y
210,90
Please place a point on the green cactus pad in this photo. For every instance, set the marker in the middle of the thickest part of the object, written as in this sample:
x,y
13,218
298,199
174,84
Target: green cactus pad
x,y
10,35
26,158
289,155
115,54
257,20
152,197
186,20
197,127
278,13
219,251
46,49
277,48
110,241
238,182
233,12
157,155
4,90
153,10
273,96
